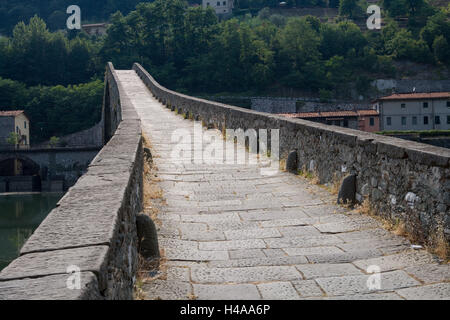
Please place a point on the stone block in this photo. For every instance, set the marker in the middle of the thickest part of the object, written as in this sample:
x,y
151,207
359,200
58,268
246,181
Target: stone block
x,y
226,292
278,291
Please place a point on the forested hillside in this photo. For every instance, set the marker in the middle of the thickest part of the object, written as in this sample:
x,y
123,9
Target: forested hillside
x,y
188,49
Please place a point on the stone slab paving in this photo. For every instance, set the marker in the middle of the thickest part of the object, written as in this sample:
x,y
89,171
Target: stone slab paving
x,y
228,232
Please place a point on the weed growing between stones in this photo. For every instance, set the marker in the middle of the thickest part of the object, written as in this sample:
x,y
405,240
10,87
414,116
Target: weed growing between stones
x,y
312,176
438,245
149,270
153,194
335,185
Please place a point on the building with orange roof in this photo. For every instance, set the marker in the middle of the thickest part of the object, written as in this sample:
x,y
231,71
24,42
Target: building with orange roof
x,y
364,120
14,122
414,111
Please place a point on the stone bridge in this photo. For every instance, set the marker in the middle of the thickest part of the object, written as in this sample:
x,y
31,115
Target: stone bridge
x,y
237,229
50,163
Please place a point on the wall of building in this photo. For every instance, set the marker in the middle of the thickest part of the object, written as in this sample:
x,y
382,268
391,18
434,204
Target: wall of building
x,y
414,108
92,231
364,123
221,7
7,126
402,179
22,122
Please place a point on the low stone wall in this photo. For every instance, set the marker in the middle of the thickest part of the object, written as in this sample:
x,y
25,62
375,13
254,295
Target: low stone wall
x,y
91,137
294,105
92,231
402,179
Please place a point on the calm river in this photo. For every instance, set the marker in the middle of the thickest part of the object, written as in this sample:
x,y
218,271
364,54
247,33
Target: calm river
x,y
20,215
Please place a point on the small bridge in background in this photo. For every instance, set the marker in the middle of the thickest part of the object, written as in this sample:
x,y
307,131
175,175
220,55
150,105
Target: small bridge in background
x,y
43,169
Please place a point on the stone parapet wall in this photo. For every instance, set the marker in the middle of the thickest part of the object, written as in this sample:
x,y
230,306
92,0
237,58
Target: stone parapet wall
x,y
295,105
402,179
92,231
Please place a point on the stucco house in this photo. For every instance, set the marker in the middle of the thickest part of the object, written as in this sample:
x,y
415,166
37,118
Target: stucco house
x,y
414,111
95,29
14,121
222,7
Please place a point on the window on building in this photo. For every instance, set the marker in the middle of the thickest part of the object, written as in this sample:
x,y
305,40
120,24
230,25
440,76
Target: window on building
x,y
17,129
425,105
224,3
448,104
414,121
437,120
218,3
403,121
403,105
372,121
425,120
389,121
346,123
25,124
448,119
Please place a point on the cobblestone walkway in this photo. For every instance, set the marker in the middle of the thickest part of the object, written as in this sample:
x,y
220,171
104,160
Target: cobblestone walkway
x,y
229,232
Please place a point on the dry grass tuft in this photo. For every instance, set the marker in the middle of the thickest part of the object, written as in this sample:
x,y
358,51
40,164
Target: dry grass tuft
x,y
192,297
153,198
335,185
312,176
153,194
437,245
365,208
440,246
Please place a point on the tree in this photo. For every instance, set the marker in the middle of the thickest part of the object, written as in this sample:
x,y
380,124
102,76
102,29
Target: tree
x,y
441,50
437,25
13,139
54,142
347,8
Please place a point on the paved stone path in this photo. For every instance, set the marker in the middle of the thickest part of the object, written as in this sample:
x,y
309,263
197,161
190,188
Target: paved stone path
x,y
229,232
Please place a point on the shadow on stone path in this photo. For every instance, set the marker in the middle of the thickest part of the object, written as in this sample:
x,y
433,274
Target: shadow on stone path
x,y
230,233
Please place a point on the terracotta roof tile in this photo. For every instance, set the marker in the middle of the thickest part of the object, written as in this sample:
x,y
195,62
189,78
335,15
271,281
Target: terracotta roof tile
x,y
13,113
414,96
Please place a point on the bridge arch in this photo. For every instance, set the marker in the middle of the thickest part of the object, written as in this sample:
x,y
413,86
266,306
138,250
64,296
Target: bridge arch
x,y
12,165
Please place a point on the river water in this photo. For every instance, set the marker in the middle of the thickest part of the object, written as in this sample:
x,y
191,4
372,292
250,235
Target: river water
x,y
20,215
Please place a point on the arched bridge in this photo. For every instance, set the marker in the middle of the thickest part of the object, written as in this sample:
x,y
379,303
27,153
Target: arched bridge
x,y
65,164
230,224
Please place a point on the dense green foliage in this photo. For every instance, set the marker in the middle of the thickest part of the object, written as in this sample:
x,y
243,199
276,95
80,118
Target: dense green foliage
x,y
54,111
54,11
190,50
34,55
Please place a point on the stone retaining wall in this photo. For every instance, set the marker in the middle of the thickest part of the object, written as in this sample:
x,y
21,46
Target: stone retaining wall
x,y
402,179
92,231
